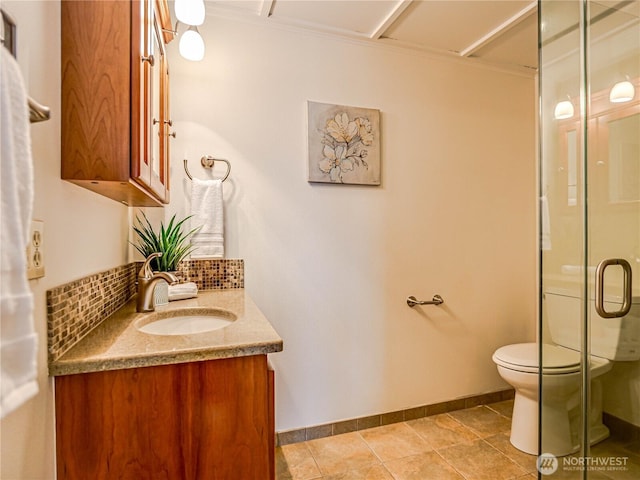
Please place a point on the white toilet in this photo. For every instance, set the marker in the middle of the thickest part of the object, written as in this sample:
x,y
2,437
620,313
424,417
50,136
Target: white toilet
x,y
613,339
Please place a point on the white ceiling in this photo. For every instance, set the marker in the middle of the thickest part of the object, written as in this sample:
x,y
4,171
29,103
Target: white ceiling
x,y
497,32
501,33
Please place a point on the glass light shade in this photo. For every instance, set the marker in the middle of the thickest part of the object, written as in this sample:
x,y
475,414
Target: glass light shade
x,y
190,12
622,92
563,110
191,45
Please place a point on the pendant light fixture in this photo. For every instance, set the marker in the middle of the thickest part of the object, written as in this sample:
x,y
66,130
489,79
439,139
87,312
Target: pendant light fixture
x,y
622,92
190,12
191,45
563,110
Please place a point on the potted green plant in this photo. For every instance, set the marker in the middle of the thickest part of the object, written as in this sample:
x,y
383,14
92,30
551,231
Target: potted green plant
x,y
170,240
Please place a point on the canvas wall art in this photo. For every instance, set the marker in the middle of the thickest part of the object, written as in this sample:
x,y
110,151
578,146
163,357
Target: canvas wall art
x,y
344,144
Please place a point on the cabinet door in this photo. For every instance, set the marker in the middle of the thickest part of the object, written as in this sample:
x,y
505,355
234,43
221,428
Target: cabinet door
x,y
617,167
141,60
160,170
149,159
191,421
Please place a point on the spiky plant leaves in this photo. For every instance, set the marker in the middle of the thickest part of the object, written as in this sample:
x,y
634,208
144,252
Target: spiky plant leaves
x,y
170,240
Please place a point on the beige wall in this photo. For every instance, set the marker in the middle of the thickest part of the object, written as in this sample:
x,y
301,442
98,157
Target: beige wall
x,y
84,234
331,266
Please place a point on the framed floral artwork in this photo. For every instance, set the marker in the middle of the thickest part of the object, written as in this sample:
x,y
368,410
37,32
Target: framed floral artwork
x,y
344,144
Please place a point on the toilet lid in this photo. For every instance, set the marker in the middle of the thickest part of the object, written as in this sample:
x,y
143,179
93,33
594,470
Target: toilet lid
x,y
524,356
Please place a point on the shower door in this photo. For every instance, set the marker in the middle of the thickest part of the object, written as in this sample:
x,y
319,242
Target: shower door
x,y
589,185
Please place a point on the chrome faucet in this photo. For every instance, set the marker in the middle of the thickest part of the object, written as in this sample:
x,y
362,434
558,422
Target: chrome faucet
x,y
147,280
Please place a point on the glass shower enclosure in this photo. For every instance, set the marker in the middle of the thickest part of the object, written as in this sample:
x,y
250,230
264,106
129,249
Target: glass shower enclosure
x,y
589,186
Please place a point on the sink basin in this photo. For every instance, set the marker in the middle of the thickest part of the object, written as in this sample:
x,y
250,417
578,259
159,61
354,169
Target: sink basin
x,y
186,322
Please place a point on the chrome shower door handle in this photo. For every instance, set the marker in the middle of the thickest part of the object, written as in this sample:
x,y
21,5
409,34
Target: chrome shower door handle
x,y
627,294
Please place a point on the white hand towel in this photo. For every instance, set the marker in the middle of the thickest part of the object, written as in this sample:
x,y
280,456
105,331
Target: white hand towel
x,y
545,234
207,210
18,340
182,291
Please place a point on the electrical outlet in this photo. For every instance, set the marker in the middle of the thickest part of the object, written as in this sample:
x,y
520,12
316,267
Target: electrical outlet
x,y
35,251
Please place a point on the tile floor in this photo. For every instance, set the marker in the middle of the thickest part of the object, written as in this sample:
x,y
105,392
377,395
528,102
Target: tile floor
x,y
470,444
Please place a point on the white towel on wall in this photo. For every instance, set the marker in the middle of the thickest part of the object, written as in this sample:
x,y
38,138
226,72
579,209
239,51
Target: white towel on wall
x,y
18,340
207,210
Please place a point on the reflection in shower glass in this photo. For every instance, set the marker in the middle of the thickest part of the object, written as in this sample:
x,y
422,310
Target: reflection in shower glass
x,y
590,175
572,168
624,159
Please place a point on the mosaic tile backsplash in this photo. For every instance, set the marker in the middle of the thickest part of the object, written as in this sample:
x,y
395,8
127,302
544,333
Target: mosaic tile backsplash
x,y
213,274
75,308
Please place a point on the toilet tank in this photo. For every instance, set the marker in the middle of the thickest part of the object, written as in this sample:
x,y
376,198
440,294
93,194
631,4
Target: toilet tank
x,y
611,338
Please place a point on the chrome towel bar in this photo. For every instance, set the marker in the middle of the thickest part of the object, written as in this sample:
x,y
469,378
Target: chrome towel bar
x,y
8,35
208,161
413,301
37,112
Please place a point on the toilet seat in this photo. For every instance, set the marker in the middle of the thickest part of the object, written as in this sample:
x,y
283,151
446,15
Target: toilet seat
x,y
523,357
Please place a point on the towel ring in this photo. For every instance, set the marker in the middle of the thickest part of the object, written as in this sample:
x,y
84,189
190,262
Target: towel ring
x,y
207,162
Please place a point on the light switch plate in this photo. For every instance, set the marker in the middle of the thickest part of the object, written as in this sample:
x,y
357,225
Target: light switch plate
x,y
35,251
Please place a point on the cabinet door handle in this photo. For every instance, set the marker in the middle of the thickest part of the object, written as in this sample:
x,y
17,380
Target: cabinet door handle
x,y
155,121
149,59
169,122
172,134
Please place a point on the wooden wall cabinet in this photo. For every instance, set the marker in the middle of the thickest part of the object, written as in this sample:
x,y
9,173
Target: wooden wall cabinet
x,y
203,420
115,99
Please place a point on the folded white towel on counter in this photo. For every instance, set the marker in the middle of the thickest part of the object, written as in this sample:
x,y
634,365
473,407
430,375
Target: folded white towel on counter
x,y
18,340
181,291
208,214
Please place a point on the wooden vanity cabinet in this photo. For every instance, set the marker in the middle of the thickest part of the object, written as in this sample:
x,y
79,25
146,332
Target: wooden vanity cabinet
x,y
115,99
192,421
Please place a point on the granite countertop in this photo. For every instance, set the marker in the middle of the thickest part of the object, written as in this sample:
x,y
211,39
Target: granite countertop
x,y
118,344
